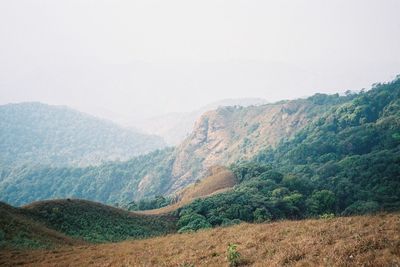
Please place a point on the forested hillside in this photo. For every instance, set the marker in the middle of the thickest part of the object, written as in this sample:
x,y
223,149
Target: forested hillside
x,y
347,162
343,149
220,137
35,133
114,182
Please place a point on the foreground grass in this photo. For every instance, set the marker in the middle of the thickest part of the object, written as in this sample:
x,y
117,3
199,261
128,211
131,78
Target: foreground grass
x,y
348,241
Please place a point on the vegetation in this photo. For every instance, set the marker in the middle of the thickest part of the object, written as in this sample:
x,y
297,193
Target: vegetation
x,y
39,134
148,204
147,176
115,182
342,241
233,255
53,223
95,222
344,163
347,162
20,230
220,179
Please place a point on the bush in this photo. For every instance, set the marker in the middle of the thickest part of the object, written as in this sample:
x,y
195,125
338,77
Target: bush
x,y
261,215
327,216
233,255
361,207
192,222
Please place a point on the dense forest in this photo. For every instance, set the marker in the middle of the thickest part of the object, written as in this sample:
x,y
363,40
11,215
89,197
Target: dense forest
x,y
347,162
112,183
38,134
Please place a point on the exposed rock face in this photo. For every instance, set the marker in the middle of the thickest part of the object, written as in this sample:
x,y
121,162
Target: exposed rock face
x,y
175,127
228,134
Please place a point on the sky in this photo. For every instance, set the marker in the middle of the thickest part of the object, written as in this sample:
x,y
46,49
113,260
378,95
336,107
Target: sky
x,y
137,59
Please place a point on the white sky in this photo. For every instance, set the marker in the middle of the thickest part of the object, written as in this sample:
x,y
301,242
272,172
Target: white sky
x,y
143,58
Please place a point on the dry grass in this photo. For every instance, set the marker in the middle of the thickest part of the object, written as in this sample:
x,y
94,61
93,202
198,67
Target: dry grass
x,y
349,241
220,179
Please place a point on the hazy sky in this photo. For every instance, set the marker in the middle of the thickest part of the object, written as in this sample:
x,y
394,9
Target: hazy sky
x,y
142,58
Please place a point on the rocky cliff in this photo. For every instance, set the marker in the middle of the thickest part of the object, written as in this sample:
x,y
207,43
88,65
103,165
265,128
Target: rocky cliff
x,y
228,134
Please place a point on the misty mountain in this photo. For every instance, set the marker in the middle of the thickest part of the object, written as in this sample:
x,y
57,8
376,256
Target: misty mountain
x,y
175,127
35,133
316,138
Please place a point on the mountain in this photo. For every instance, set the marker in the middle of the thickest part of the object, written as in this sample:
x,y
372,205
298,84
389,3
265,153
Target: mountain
x,y
315,139
320,157
35,133
228,134
346,162
175,127
220,137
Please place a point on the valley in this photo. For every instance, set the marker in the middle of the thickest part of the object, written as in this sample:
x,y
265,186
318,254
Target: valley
x,y
200,133
312,181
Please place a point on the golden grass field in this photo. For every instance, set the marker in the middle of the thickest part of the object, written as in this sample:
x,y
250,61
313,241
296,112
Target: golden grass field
x,y
344,241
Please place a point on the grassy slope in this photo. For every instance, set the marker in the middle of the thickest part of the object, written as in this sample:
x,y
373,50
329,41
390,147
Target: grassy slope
x,y
18,229
48,223
346,241
220,179
96,222
52,223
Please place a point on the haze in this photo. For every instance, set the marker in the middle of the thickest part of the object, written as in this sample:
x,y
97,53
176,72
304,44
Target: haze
x,y
136,59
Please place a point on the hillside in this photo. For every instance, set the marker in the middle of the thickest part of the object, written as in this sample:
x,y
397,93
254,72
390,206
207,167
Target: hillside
x,y
347,162
20,229
218,180
35,133
225,135
315,142
70,221
175,127
220,137
111,183
348,241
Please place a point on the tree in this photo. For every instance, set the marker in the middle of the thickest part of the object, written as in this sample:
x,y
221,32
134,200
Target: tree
x,y
321,202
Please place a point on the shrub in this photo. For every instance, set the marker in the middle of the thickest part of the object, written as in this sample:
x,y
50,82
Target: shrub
x,y
327,216
261,215
192,222
361,207
233,255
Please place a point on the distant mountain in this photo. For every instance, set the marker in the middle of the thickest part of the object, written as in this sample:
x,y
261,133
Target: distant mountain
x,y
35,133
175,127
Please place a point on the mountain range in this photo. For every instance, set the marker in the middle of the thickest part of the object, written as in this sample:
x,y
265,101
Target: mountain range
x,y
220,137
314,158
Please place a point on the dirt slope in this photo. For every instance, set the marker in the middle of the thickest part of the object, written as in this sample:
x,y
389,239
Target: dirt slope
x,y
219,179
351,241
